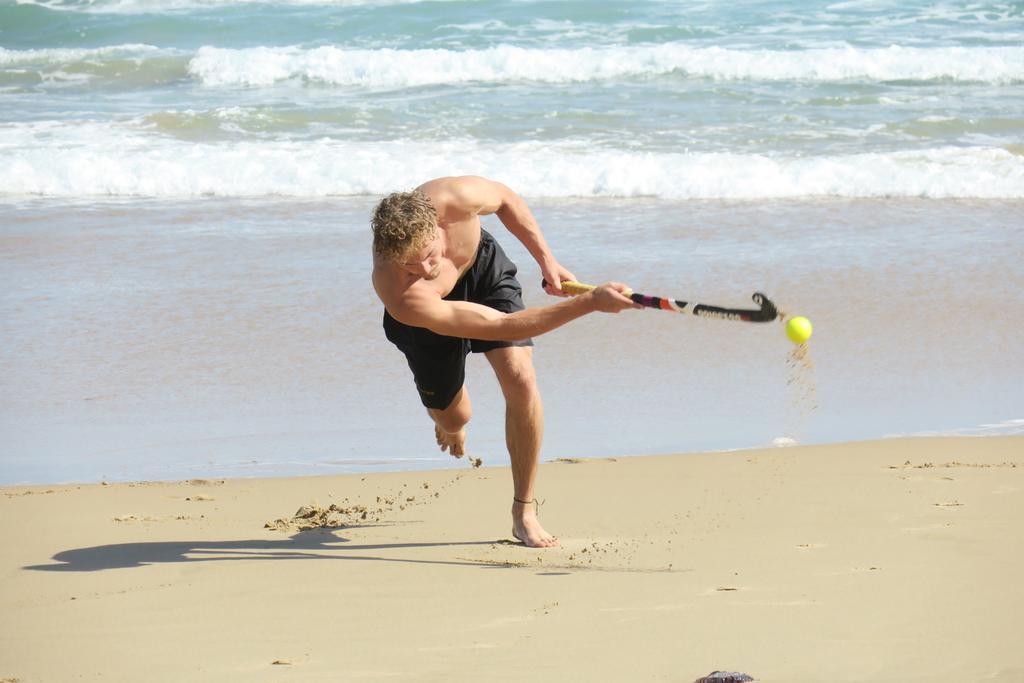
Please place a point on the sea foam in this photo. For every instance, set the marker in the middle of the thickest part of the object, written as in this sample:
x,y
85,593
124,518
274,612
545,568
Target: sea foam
x,y
262,66
65,56
165,6
86,160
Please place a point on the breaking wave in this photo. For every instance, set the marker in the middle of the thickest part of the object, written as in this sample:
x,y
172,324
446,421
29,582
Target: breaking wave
x,y
93,159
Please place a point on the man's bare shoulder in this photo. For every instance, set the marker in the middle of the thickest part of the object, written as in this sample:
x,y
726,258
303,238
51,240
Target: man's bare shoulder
x,y
467,194
452,187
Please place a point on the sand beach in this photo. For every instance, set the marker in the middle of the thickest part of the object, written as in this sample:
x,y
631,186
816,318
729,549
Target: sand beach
x,y
890,560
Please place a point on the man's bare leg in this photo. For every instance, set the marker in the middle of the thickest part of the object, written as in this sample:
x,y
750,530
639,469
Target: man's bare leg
x,y
524,431
450,424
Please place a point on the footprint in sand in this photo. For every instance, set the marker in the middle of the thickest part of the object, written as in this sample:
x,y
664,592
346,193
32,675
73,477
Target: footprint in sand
x,y
134,518
927,527
724,677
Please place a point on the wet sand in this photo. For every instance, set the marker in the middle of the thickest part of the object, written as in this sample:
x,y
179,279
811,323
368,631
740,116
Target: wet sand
x,y
891,560
226,338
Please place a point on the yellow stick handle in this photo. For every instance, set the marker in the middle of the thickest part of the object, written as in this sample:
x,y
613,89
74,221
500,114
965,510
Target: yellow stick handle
x,y
574,288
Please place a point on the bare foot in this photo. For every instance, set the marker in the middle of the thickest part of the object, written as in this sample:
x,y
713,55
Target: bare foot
x,y
526,527
451,443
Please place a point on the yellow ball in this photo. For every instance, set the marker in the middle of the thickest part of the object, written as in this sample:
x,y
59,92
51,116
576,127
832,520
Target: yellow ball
x,y
799,329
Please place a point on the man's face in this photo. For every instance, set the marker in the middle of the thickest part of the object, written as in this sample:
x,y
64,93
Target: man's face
x,y
426,262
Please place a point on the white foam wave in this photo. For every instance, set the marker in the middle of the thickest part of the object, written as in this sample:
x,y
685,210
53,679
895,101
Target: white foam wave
x,y
262,66
167,6
82,160
64,56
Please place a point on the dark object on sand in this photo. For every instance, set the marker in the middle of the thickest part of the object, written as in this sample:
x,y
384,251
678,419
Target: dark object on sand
x,y
724,677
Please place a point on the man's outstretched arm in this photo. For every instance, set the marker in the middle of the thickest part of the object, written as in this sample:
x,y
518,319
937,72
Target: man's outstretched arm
x,y
474,321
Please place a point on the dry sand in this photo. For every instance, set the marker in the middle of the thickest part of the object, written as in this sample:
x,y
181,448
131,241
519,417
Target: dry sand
x,y
894,560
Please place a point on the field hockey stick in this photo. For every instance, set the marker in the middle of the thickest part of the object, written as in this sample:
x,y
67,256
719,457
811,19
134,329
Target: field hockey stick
x,y
765,314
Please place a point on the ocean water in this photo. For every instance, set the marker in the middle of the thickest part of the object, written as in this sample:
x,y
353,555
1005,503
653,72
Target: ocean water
x,y
185,186
187,98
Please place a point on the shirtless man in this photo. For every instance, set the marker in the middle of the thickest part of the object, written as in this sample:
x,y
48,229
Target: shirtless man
x,y
448,289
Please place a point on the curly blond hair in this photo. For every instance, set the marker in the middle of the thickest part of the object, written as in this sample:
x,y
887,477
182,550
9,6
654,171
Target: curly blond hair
x,y
403,223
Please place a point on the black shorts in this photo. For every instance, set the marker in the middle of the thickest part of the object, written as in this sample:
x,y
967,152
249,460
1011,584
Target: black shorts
x,y
438,363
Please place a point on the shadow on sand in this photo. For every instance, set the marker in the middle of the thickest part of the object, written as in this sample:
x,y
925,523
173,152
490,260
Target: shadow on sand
x,y
316,544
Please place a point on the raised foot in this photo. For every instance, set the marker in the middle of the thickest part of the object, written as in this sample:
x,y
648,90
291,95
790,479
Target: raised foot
x,y
455,444
527,529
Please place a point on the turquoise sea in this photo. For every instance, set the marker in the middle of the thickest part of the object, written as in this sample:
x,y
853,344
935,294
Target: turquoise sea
x,y
194,98
185,186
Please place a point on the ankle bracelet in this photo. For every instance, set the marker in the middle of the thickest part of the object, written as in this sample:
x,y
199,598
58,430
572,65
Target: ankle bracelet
x,y
536,503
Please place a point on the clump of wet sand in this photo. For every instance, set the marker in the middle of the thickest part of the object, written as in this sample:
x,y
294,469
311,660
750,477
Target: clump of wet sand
x,y
318,517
